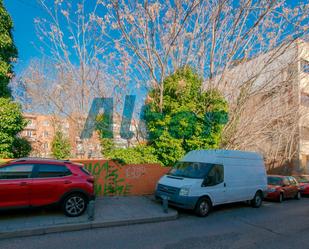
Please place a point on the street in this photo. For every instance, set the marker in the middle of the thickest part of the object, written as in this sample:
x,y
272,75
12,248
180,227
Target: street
x,y
272,226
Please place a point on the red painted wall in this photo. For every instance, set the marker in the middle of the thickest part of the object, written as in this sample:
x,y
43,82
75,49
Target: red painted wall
x,y
116,179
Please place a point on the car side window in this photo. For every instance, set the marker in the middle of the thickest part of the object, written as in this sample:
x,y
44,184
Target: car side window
x,y
49,170
286,182
292,181
215,175
18,171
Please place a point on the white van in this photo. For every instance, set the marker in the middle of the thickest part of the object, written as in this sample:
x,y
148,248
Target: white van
x,y
205,178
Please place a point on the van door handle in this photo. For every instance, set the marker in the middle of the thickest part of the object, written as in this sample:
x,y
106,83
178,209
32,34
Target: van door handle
x,y
67,182
23,183
224,184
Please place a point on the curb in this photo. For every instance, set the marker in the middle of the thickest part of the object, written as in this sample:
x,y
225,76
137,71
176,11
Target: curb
x,y
84,226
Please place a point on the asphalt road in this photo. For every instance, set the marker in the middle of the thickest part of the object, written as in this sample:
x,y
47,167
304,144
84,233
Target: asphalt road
x,y
273,226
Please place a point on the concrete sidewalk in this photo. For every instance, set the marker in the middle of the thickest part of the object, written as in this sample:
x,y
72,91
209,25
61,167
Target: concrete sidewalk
x,y
109,211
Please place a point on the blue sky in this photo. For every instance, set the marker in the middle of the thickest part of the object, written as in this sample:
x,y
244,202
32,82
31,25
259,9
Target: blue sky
x,y
23,13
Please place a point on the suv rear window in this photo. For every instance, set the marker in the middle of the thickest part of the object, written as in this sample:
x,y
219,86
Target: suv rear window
x,y
49,170
85,170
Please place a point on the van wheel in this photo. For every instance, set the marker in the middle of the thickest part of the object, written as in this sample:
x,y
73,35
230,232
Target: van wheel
x,y
74,205
203,207
280,198
257,201
298,196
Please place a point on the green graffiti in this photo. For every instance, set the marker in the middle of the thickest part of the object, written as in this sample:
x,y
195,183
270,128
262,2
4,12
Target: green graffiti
x,y
113,184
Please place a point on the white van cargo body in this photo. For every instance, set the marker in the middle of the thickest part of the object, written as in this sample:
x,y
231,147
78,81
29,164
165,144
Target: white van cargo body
x,y
205,178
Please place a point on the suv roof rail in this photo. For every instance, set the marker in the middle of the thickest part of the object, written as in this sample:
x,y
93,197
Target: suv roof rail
x,y
39,159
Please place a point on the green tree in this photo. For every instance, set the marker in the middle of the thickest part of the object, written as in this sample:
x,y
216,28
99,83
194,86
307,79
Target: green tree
x,y
21,147
11,120
8,51
106,136
61,147
190,119
11,123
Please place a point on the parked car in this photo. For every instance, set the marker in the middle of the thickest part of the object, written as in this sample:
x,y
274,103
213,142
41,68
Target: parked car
x,y
206,178
34,182
303,181
282,187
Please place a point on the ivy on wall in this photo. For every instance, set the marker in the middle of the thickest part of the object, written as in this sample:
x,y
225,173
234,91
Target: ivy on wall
x,y
112,184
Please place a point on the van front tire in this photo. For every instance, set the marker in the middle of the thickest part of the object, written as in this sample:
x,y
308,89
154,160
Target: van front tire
x,y
257,200
203,207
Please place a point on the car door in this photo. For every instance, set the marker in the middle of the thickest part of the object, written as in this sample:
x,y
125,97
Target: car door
x,y
50,182
15,182
287,187
294,186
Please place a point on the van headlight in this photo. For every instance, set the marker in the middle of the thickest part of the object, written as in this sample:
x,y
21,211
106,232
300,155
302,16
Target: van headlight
x,y
184,191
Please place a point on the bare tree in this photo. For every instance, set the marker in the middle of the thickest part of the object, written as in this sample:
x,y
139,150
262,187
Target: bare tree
x,y
219,38
136,44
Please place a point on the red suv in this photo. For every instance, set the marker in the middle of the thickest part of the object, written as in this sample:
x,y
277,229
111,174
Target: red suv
x,y
282,187
30,182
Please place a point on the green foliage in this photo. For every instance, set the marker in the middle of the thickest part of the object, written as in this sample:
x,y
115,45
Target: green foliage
x,y
135,155
106,137
113,183
190,119
61,147
8,51
21,147
107,145
12,122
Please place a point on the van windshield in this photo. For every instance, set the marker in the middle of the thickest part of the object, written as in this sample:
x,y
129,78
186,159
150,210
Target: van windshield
x,y
191,169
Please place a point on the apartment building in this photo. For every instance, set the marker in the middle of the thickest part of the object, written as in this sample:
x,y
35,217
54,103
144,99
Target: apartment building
x,y
41,129
275,119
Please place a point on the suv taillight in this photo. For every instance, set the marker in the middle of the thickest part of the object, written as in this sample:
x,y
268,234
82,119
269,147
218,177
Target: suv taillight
x,y
91,180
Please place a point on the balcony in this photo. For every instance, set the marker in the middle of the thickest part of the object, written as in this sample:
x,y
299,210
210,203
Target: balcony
x,y
30,127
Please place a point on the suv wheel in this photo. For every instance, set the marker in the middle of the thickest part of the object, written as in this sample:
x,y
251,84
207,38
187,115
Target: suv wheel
x,y
203,207
74,205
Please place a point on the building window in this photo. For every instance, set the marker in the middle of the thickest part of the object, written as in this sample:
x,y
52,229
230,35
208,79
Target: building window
x,y
304,64
304,99
45,134
45,123
29,133
45,145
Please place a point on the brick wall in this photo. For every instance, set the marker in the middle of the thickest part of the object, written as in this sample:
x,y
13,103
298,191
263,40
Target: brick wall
x,y
116,179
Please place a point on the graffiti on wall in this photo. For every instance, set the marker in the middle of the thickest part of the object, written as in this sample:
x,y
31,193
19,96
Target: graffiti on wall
x,y
135,172
107,180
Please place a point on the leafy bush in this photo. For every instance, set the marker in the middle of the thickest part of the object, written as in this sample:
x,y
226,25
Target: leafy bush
x,y
21,147
135,155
